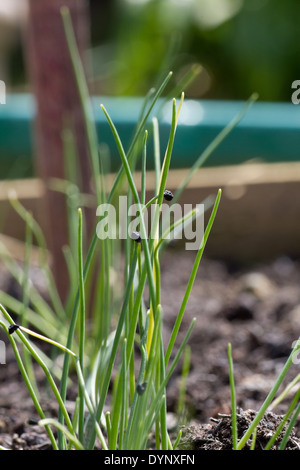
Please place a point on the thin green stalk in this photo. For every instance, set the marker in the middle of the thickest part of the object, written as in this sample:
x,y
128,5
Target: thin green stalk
x,y
176,226
135,311
65,370
269,398
131,365
212,147
151,415
167,159
25,299
138,132
81,323
89,404
118,418
47,339
290,428
116,343
91,141
123,418
285,392
233,399
156,142
49,377
72,438
137,201
25,283
181,406
151,201
139,380
185,81
29,386
144,169
34,318
42,364
39,236
192,278
176,443
72,176
42,310
252,447
163,411
108,425
86,106
283,421
117,409
135,430
155,224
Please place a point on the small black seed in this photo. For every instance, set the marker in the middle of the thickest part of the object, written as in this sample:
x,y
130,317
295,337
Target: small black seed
x,y
140,388
168,195
136,237
32,421
12,328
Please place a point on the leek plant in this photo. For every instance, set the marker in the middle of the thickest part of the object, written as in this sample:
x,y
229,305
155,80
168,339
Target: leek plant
x,y
111,340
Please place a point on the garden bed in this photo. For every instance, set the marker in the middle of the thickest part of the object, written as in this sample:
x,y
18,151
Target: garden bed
x,y
256,309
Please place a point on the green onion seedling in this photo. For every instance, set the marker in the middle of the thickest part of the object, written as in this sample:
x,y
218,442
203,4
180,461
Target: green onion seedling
x,y
12,328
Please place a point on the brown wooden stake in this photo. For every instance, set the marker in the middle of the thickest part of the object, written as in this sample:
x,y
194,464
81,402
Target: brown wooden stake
x,y
54,87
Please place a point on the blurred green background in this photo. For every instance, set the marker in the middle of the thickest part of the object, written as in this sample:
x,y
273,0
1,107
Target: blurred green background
x,y
243,46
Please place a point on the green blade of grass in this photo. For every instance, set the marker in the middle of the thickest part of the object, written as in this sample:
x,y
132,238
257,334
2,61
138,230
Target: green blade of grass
x,y
81,324
29,386
283,395
139,130
39,236
290,427
212,147
233,399
137,201
156,144
181,403
118,409
269,398
116,342
73,439
157,401
192,278
47,325
73,320
89,405
43,366
283,421
86,106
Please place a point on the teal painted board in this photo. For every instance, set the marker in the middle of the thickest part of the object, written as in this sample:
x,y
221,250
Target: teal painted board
x,y
269,131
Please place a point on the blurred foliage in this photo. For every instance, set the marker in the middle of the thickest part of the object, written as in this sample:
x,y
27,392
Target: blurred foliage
x,y
243,46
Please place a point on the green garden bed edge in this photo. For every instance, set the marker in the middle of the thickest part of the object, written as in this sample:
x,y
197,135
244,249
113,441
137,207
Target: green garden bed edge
x,y
269,132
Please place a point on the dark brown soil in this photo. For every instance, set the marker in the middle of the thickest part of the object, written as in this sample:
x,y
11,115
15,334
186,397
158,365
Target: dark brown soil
x,y
256,309
218,436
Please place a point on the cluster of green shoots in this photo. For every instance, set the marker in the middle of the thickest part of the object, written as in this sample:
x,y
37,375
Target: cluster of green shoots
x,y
108,341
282,433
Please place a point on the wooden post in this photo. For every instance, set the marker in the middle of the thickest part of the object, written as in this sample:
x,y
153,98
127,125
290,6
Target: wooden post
x,y
55,90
